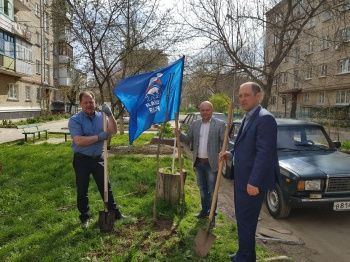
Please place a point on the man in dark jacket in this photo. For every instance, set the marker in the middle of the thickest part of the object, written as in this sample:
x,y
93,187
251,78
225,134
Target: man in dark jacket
x,y
255,166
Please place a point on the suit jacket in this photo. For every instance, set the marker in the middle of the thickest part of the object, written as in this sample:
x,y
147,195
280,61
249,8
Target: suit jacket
x,y
215,140
255,152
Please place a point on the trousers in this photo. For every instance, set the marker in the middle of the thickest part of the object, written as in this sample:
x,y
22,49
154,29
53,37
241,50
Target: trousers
x,y
84,166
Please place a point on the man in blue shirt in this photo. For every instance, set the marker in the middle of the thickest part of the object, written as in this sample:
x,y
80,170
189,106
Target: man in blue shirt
x,y
86,129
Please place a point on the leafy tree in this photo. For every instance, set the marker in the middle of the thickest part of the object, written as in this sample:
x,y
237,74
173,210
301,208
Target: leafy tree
x,y
220,102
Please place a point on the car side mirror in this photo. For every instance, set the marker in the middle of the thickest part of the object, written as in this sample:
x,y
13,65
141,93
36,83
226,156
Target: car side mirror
x,y
337,144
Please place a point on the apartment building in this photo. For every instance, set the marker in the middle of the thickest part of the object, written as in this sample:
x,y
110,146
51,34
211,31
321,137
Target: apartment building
x,y
313,81
30,80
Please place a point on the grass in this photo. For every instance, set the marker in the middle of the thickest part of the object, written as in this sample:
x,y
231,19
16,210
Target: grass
x,y
39,220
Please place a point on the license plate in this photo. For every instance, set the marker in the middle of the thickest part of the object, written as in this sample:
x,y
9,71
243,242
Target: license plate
x,y
339,206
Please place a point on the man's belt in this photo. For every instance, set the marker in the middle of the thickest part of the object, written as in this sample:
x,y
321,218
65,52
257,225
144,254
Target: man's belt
x,y
203,160
87,156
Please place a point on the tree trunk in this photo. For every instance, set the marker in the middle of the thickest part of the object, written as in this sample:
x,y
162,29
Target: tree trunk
x,y
169,186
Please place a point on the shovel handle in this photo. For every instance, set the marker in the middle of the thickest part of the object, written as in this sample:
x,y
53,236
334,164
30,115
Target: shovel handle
x,y
105,163
221,163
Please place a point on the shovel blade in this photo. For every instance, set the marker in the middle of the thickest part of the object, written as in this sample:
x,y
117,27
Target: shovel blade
x,y
106,220
203,242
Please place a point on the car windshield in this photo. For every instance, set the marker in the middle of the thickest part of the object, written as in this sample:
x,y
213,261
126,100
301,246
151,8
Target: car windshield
x,y
302,138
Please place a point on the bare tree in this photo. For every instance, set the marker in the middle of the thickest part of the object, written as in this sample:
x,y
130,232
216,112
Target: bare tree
x,y
118,38
256,35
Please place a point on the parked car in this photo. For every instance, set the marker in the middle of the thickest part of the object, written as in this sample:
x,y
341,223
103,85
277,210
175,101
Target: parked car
x,y
313,173
190,117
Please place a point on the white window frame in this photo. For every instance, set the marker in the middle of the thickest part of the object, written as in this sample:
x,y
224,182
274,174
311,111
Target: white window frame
x,y
308,73
321,97
47,74
12,92
47,49
344,66
341,97
37,67
323,70
28,90
306,97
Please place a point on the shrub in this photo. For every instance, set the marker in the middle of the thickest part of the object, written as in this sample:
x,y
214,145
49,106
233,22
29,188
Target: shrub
x,y
345,145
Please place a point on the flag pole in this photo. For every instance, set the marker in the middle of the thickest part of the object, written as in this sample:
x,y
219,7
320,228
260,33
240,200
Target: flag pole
x,y
179,155
168,87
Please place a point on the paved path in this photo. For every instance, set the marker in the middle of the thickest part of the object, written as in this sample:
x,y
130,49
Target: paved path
x,y
13,134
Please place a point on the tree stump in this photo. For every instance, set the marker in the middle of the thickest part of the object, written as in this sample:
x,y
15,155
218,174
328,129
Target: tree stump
x,y
169,185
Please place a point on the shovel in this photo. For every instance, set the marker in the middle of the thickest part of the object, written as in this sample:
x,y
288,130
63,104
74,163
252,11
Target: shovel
x,y
106,217
204,238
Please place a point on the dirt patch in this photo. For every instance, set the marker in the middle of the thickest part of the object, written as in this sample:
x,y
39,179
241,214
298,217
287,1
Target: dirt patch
x,y
142,149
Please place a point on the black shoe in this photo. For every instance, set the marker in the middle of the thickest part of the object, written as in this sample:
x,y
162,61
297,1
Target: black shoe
x,y
119,216
202,215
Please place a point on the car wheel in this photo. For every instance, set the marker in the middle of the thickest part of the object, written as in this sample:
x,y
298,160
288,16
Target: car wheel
x,y
276,204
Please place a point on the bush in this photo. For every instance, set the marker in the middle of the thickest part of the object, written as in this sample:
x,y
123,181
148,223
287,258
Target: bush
x,y
168,131
345,145
220,102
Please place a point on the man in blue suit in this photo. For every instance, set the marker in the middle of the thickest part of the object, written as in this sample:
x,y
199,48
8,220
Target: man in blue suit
x,y
255,166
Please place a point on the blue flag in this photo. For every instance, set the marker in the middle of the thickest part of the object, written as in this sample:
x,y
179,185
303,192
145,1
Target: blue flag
x,y
152,97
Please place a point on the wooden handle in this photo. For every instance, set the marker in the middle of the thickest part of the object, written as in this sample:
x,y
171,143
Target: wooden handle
x,y
105,162
218,177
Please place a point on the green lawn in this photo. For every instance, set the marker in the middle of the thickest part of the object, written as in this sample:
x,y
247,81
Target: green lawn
x,y
39,220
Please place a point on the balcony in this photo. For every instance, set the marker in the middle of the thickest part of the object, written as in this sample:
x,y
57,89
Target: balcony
x,y
5,22
65,81
64,59
21,5
24,67
22,31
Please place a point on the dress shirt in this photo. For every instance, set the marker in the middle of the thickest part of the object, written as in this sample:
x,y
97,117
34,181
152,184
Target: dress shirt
x,y
203,140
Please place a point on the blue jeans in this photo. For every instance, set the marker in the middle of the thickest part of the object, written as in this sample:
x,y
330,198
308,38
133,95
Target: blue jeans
x,y
206,182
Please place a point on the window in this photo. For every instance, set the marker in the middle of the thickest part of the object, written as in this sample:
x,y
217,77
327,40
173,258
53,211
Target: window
x,y
8,8
326,15
310,47
311,23
297,55
321,98
7,44
345,6
38,94
28,96
284,77
323,70
306,97
344,65
47,49
340,98
273,100
275,81
37,9
325,42
13,92
38,38
344,34
47,74
46,22
37,67
343,96
308,73
296,78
